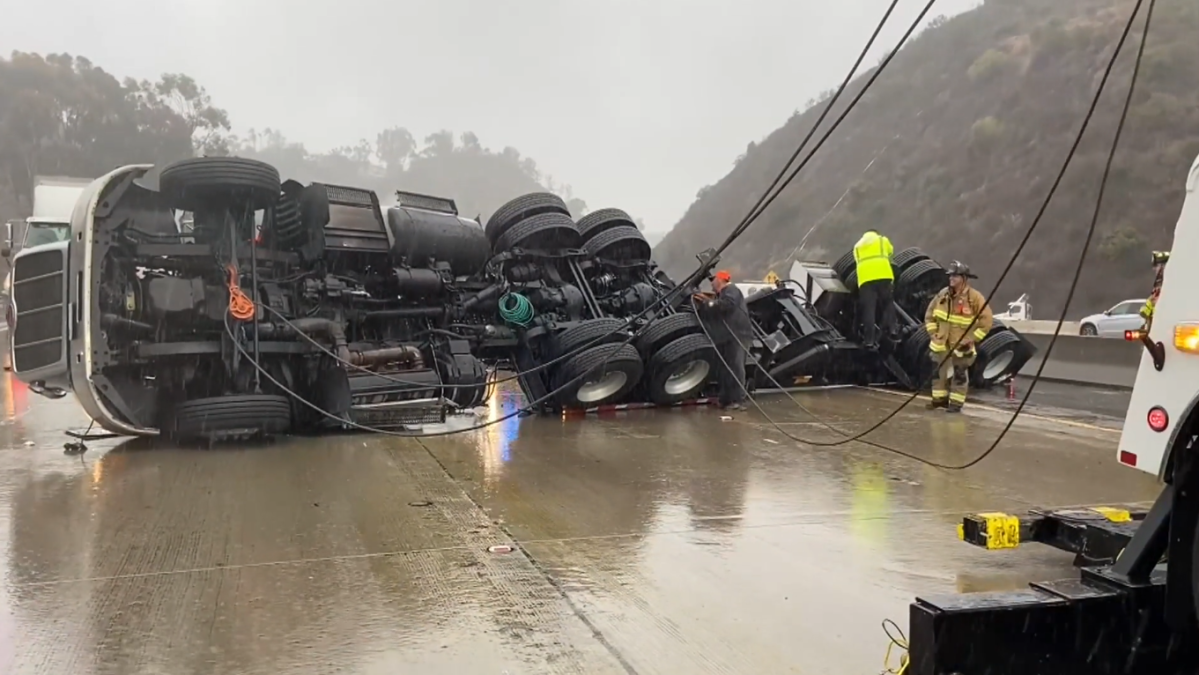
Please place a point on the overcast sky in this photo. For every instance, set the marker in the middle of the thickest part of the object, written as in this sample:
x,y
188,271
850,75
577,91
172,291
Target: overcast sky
x,y
634,104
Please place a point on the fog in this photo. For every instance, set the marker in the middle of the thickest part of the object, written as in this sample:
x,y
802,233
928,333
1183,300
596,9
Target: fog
x,y
633,104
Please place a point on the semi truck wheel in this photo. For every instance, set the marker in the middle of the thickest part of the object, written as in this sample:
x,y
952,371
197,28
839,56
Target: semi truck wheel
x,y
599,331
844,265
603,220
610,382
679,371
229,417
522,208
548,231
199,181
901,260
997,358
623,244
664,330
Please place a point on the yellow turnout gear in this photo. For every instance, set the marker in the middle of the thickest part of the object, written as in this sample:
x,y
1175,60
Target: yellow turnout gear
x,y
948,320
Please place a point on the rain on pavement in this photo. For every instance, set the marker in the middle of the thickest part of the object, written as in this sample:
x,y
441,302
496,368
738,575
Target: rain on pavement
x,y
649,542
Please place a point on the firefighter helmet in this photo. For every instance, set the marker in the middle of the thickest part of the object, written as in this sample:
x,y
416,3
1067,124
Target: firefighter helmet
x,y
1161,257
959,269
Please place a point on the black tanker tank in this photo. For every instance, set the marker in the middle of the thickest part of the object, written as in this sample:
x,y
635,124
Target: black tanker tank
x,y
420,236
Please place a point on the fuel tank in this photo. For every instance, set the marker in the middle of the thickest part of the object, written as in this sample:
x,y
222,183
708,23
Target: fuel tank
x,y
420,237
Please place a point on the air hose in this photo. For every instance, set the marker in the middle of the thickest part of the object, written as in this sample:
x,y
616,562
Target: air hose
x,y
516,309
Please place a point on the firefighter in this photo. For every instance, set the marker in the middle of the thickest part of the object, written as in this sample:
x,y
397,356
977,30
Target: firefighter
x,y
1160,258
726,317
876,280
949,320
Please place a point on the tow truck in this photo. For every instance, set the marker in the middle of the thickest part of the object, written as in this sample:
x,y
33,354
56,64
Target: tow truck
x,y
1133,607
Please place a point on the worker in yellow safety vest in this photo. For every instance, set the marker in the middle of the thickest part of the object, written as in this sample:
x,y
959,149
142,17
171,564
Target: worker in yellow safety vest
x,y
958,315
1160,258
876,281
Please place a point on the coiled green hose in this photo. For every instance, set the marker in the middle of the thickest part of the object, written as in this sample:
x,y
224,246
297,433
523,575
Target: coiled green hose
x,y
516,309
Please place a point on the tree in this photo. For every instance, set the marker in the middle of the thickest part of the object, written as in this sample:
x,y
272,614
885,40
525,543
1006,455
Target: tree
x,y
394,147
62,115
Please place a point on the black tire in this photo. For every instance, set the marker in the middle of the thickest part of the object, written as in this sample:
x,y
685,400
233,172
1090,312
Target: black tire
x,y
230,417
917,359
679,371
621,362
545,232
522,208
622,244
851,280
599,331
666,329
604,219
906,257
921,276
203,181
844,265
1088,330
998,357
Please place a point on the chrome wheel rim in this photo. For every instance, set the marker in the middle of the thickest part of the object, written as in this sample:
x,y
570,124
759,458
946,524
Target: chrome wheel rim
x,y
599,389
687,377
998,365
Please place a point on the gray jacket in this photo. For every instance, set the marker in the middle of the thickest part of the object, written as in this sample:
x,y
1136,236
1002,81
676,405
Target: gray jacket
x,y
727,316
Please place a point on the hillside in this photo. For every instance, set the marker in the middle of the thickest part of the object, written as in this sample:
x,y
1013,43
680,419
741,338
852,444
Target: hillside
x,y
966,130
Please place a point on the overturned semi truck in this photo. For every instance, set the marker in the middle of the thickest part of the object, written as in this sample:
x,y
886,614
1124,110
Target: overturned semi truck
x,y
210,299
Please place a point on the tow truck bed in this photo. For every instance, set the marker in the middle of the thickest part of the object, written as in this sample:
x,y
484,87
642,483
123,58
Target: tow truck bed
x,y
1111,619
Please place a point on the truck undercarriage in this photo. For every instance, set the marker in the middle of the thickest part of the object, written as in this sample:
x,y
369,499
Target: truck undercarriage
x,y
290,308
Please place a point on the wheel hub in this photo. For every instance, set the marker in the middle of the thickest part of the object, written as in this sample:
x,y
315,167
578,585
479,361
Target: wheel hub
x,y
998,365
687,376
602,387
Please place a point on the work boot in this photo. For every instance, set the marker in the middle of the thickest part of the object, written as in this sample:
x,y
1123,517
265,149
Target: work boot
x,y
955,408
737,406
937,403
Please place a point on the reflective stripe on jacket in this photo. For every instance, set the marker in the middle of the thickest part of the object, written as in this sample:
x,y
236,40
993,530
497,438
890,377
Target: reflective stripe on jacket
x,y
950,314
872,254
1151,303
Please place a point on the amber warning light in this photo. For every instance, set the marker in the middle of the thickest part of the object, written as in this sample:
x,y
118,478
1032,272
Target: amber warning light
x,y
1186,337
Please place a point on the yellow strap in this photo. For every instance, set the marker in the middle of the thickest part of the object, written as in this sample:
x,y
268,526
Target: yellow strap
x,y
957,398
960,320
931,327
979,334
941,314
940,393
938,348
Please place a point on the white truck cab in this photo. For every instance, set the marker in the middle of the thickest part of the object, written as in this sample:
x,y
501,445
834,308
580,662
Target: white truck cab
x,y
1164,411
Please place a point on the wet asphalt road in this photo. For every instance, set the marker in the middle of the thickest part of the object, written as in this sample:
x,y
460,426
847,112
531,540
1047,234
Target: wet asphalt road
x,y
649,542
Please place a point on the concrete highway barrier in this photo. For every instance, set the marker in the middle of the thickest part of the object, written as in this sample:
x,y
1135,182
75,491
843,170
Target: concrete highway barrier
x,y
1087,360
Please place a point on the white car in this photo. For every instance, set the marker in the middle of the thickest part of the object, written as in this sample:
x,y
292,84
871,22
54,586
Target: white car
x,y
1122,316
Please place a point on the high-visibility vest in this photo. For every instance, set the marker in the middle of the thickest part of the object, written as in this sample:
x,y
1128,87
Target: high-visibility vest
x,y
872,254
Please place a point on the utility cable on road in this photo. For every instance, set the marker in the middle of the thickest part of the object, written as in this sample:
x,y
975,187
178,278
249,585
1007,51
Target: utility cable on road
x,y
667,297
1074,281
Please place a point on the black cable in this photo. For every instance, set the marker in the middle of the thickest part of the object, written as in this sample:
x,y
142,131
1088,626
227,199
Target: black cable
x,y
1069,297
829,107
678,289
758,211
386,432
1023,242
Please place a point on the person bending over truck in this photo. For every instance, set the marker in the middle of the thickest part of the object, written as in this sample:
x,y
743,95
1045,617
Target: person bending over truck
x,y
950,320
1160,258
876,281
726,317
